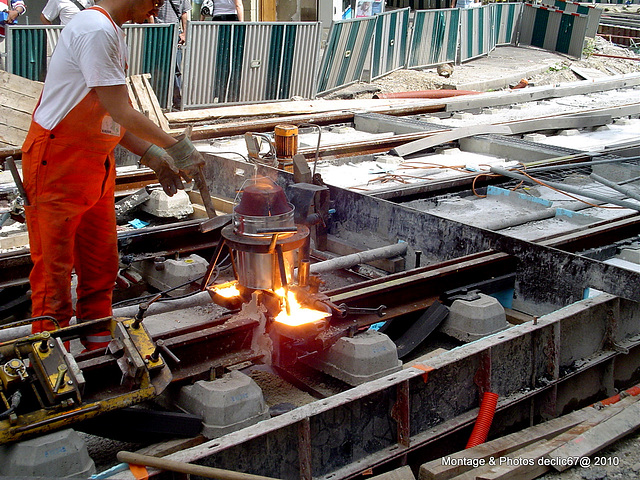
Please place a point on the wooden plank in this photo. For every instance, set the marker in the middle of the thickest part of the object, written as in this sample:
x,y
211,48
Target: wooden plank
x,y
441,470
142,98
517,318
598,437
18,120
162,119
287,108
16,101
222,206
24,86
12,136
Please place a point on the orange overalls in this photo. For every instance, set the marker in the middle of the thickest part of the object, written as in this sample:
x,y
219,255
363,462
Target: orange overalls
x,y
69,178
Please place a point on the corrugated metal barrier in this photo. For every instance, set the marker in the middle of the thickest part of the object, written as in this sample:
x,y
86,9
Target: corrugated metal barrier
x,y
506,17
389,43
552,29
476,38
592,13
249,62
346,52
434,40
28,48
152,50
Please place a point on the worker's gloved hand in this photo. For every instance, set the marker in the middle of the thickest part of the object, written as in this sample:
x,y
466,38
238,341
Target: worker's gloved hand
x,y
158,160
186,157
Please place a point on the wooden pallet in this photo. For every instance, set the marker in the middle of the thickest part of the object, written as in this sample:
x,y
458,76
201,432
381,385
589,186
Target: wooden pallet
x,y
19,96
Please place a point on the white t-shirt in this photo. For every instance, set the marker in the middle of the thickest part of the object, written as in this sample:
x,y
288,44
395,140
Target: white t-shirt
x,y
65,9
224,7
91,52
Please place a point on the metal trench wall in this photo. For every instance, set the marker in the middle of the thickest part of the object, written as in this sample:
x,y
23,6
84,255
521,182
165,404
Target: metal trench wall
x,y
346,53
151,50
249,62
506,22
592,12
476,38
434,39
568,359
389,43
552,29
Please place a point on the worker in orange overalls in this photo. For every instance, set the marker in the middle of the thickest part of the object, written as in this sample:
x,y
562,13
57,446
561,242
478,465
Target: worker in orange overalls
x,y
69,169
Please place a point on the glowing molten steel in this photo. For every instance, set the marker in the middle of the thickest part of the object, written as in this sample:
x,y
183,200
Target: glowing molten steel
x,y
299,315
228,292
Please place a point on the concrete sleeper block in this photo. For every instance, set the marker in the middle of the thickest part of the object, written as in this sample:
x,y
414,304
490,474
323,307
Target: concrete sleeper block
x,y
365,357
226,404
471,320
61,454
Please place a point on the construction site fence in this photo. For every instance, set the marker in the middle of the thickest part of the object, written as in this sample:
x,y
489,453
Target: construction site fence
x,y
151,50
251,62
231,62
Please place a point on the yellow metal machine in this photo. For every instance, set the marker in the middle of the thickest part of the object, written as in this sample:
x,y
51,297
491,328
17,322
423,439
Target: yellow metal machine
x,y
43,387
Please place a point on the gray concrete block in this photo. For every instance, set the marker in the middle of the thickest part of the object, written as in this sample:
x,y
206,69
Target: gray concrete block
x,y
162,205
471,320
173,272
534,137
227,404
462,116
60,454
571,132
360,359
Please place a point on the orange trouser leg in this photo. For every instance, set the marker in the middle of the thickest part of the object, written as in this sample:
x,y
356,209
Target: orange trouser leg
x,y
96,253
51,240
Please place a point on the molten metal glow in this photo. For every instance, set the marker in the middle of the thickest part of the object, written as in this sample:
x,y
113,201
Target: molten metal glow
x,y
299,315
228,291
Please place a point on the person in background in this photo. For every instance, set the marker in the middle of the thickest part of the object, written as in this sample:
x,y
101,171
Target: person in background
x,y
69,168
222,10
62,9
10,10
176,11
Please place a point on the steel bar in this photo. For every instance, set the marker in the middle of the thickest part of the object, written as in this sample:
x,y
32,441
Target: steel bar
x,y
568,188
629,192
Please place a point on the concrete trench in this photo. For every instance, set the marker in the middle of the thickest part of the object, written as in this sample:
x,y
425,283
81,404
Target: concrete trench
x,y
579,350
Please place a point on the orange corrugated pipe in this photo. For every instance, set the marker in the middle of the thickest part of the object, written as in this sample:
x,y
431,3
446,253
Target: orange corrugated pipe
x,y
425,94
483,422
631,392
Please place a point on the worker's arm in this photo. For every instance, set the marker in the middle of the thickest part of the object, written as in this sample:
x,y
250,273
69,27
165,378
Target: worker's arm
x,y
240,10
115,100
44,20
183,24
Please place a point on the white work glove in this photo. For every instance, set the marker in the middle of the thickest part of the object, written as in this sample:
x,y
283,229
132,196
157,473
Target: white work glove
x,y
158,160
186,157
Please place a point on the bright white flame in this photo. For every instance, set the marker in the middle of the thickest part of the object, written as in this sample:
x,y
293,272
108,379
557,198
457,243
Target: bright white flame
x,y
228,292
299,315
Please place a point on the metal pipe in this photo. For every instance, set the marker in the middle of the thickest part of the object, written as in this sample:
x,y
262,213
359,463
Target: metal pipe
x,y
199,299
567,188
188,468
501,224
347,261
631,193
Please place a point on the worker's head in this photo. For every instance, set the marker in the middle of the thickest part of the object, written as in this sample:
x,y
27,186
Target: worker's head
x,y
141,10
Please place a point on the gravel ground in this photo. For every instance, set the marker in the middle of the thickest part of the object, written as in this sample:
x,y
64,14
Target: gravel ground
x,y
556,68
